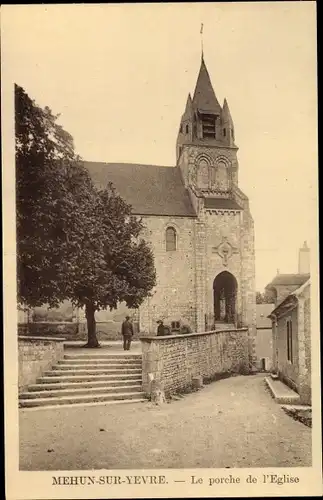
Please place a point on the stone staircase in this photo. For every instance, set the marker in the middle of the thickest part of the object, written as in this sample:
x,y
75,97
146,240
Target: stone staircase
x,y
219,325
90,378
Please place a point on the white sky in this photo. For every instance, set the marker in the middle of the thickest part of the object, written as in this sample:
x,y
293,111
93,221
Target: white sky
x,y
120,74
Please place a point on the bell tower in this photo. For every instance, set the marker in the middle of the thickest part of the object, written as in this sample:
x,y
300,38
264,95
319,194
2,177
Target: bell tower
x,y
206,155
206,133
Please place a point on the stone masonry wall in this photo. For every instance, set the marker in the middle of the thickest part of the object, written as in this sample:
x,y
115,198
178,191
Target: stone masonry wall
x,y
174,296
304,346
65,330
219,226
36,355
288,370
174,360
296,372
248,287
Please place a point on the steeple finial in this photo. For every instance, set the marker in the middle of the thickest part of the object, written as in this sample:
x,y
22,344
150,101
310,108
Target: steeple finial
x,y
201,33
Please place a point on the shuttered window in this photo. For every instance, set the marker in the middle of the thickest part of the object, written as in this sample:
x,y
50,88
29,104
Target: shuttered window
x,y
289,328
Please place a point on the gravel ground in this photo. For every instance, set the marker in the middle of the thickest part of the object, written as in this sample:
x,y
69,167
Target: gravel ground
x,y
230,423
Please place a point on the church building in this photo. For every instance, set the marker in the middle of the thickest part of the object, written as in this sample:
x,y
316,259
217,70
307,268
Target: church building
x,y
197,221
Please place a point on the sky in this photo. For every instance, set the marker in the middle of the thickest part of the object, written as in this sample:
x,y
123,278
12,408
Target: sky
x,y
119,76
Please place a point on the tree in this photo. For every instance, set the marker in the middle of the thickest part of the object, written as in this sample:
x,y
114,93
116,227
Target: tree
x,y
50,183
120,268
264,298
73,241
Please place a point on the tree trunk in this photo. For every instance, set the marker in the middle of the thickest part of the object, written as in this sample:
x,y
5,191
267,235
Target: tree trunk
x,y
92,340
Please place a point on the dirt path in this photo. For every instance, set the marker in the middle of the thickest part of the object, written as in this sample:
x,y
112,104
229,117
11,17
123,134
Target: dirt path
x,y
230,423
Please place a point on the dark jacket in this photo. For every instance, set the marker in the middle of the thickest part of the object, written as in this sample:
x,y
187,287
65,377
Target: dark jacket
x,y
127,329
163,330
160,330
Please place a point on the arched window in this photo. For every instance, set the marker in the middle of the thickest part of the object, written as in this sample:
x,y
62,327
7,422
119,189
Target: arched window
x,y
187,129
222,177
203,174
170,239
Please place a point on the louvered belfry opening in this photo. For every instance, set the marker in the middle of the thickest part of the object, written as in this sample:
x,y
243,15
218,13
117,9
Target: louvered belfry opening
x,y
208,125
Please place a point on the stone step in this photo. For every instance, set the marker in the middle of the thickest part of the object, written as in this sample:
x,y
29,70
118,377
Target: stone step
x,y
97,366
95,371
46,386
103,356
50,393
61,400
86,378
281,392
78,405
96,361
224,326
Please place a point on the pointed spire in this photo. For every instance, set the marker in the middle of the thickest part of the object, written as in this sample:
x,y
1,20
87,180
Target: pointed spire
x,y
226,115
188,104
204,97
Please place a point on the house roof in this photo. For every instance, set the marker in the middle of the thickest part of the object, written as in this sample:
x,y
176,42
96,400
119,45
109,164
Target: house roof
x,y
288,279
290,301
221,203
150,189
204,98
302,288
262,313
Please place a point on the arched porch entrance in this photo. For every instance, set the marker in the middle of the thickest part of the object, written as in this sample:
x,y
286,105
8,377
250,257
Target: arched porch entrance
x,y
225,288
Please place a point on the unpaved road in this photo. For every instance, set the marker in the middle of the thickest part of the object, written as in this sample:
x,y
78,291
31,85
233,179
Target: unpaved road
x,y
230,423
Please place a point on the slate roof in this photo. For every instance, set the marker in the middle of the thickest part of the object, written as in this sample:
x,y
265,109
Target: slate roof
x,y
290,299
221,203
150,189
289,279
204,98
262,313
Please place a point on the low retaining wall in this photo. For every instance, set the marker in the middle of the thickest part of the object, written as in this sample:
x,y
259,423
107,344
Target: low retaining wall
x,y
106,330
36,355
59,329
174,360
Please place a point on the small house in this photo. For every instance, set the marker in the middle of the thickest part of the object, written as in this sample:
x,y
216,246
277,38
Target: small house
x,y
291,322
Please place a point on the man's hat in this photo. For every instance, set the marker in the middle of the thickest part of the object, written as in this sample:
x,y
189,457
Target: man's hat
x,y
127,317
159,321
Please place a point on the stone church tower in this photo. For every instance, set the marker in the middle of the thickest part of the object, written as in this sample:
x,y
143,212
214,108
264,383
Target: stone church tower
x,y
197,221
207,157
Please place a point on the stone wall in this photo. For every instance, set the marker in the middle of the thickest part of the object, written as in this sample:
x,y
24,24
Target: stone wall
x,y
304,382
174,297
36,355
264,347
296,372
184,290
175,359
66,330
307,381
106,330
287,370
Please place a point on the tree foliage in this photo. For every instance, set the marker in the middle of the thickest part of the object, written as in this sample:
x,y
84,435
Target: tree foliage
x,y
73,241
264,298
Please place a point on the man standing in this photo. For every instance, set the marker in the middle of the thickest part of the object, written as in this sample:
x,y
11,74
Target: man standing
x,y
127,333
160,328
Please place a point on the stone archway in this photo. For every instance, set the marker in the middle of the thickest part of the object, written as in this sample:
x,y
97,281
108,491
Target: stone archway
x,y
225,289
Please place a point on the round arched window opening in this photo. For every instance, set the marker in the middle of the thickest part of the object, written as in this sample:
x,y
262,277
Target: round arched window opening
x,y
171,239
